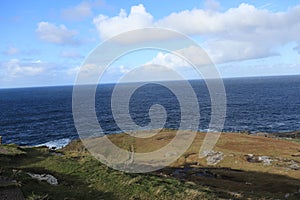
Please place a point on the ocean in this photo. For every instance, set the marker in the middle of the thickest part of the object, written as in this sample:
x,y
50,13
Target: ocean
x,y
35,116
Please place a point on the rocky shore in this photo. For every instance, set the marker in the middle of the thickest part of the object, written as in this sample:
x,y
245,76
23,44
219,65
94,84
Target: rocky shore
x,y
291,135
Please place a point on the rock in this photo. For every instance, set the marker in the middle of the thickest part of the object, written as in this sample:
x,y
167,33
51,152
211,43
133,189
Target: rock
x,y
266,160
293,134
214,157
246,132
294,165
263,134
296,155
251,158
236,195
45,177
250,155
287,195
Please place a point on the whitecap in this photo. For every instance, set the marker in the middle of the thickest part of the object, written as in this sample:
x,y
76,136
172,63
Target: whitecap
x,y
58,144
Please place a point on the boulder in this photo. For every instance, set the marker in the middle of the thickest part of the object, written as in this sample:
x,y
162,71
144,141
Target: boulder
x,y
266,160
44,177
213,158
293,134
293,165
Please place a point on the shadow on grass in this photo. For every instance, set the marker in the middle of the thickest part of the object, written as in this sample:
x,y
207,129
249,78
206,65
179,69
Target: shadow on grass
x,y
80,177
17,166
69,187
250,183
29,156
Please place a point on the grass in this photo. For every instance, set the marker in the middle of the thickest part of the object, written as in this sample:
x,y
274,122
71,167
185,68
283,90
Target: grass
x,y
81,176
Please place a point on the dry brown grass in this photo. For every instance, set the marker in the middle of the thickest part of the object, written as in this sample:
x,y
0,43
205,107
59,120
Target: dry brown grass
x,y
234,174
235,146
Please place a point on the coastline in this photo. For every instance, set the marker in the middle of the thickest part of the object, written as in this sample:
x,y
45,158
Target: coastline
x,y
60,143
238,165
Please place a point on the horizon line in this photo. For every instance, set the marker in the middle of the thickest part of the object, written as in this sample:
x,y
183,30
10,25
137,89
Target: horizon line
x,y
107,83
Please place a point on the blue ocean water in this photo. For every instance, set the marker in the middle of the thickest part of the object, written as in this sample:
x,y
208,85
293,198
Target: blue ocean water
x,y
32,116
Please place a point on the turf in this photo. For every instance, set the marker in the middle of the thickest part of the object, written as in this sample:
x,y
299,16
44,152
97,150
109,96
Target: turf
x,y
81,176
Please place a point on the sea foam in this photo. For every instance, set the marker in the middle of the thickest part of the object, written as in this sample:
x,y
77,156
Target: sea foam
x,y
58,144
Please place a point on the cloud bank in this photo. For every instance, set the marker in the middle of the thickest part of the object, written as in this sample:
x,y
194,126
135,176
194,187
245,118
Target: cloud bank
x,y
111,26
15,68
240,33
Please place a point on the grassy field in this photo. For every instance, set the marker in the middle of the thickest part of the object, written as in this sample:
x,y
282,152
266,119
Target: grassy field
x,y
81,176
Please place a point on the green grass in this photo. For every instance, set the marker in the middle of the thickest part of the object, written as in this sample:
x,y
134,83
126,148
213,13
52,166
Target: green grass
x,y
81,176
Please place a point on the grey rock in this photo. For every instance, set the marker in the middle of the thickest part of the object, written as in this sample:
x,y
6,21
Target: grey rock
x,y
294,165
287,195
44,177
214,158
266,160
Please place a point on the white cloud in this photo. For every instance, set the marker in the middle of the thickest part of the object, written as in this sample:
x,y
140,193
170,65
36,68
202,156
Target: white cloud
x,y
73,71
240,33
182,58
227,50
123,69
56,34
150,72
137,18
197,21
166,66
15,68
168,60
88,73
78,12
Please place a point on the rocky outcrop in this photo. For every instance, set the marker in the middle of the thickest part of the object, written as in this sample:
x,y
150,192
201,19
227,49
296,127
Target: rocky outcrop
x,y
213,158
266,160
293,134
45,177
293,165
288,164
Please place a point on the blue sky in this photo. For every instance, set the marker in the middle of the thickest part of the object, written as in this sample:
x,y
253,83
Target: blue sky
x,y
45,42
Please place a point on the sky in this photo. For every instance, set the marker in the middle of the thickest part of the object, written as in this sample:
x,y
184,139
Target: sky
x,y
44,43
